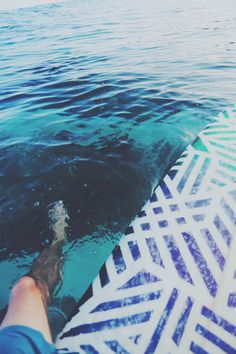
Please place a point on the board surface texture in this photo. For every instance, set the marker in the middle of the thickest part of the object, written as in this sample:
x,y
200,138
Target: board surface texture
x,y
170,285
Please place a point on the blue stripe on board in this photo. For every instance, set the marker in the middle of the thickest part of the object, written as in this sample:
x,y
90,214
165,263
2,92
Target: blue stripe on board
x,y
220,343
116,347
223,230
198,203
232,300
187,173
226,175
154,252
153,198
142,213
62,350
157,210
174,207
228,211
172,174
227,166
134,250
145,226
135,339
196,349
177,259
162,323
200,176
118,260
199,217
108,324
220,321
179,331
103,275
88,349
165,190
58,351
233,194
217,182
141,278
129,230
214,248
128,301
226,115
184,154
163,223
201,263
181,220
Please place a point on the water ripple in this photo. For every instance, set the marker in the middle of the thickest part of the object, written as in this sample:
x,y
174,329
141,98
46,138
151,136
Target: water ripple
x,y
94,108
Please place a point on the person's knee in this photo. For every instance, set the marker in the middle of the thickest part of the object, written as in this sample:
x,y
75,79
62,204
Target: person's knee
x,y
24,285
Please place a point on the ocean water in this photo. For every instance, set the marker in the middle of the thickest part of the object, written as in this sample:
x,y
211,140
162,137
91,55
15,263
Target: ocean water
x,y
97,101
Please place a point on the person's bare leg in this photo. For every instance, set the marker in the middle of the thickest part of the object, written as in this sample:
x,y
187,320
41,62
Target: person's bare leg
x,y
26,308
30,296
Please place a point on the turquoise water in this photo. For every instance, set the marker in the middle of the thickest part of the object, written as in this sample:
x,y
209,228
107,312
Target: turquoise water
x,y
97,101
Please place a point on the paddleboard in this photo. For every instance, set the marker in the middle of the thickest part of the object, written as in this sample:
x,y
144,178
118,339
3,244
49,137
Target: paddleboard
x,y
170,284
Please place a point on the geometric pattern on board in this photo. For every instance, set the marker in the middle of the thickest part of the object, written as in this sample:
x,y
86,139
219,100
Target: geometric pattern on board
x,y
170,284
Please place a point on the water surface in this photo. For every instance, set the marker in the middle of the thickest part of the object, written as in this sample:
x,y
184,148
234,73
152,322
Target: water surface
x,y
97,100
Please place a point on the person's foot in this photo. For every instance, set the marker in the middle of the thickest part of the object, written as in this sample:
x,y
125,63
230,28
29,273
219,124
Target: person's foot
x,y
46,269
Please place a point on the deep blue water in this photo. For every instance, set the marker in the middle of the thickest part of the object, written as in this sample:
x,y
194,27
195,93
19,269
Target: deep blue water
x,y
97,101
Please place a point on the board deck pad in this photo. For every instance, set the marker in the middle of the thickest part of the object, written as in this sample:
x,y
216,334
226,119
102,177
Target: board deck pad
x,y
170,285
